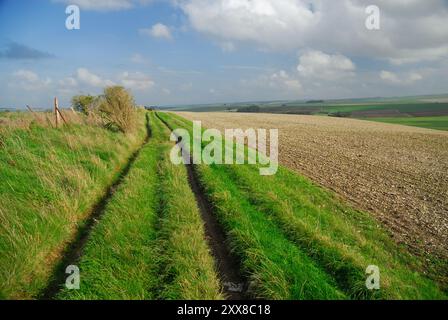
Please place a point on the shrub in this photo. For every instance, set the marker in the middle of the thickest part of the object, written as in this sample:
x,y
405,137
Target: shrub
x,y
83,104
117,108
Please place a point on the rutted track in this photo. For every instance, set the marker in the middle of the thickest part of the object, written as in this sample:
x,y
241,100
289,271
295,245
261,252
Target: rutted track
x,y
151,241
226,263
74,250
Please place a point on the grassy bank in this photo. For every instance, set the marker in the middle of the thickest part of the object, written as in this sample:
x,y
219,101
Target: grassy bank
x,y
50,180
150,243
280,223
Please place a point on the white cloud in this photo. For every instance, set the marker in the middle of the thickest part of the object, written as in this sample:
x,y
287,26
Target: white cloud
x,y
29,80
285,81
318,65
26,75
279,84
68,82
411,30
406,79
83,75
136,81
158,30
389,76
268,23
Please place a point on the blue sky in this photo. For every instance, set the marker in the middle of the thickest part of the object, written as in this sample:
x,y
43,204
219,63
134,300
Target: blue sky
x,y
200,51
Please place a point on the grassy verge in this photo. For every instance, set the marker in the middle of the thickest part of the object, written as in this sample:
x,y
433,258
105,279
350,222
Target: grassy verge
x,y
150,243
49,180
332,242
438,123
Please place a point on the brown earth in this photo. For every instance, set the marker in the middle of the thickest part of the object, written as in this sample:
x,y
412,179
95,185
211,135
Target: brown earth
x,y
398,173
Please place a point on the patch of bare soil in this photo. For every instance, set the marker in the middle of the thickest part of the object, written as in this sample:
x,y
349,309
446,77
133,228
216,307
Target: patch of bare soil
x,y
398,173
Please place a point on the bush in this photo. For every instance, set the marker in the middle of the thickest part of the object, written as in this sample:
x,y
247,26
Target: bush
x,y
117,108
83,104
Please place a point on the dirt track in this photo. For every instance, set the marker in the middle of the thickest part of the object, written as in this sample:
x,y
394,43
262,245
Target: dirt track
x,y
398,173
227,264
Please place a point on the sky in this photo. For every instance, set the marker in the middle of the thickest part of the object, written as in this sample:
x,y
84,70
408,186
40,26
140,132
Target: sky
x,y
175,52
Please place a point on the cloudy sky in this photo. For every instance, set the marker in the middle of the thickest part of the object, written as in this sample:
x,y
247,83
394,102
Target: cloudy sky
x,y
205,51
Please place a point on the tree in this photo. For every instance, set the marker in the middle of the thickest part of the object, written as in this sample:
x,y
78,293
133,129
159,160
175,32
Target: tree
x,y
117,107
83,103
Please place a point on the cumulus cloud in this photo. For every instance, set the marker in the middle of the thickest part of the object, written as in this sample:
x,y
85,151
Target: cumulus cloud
x,y
158,30
277,84
29,80
406,79
284,80
136,81
411,30
68,82
131,80
84,76
268,23
316,64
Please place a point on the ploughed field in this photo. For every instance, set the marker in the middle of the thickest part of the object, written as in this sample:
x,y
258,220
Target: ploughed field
x,y
398,173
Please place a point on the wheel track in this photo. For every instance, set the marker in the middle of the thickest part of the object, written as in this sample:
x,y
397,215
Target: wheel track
x,y
74,250
227,264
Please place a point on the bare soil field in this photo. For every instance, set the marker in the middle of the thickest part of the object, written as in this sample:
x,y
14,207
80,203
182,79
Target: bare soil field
x,y
398,173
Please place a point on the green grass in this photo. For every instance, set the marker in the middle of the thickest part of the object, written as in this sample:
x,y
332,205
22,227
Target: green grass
x,y
402,107
50,178
438,123
279,223
150,243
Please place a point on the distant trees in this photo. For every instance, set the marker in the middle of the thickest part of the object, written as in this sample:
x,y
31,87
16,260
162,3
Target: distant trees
x,y
315,101
340,114
250,109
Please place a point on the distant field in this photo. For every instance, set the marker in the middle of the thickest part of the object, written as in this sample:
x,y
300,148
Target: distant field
x,y
407,104
328,107
439,123
427,112
371,110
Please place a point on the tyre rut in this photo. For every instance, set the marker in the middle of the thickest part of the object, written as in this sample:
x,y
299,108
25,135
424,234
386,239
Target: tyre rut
x,y
234,284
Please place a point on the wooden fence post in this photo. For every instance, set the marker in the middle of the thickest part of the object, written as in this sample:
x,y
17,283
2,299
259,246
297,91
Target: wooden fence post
x,y
56,111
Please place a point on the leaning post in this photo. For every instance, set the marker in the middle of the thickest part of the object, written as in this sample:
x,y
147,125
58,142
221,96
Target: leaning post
x,y
56,111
